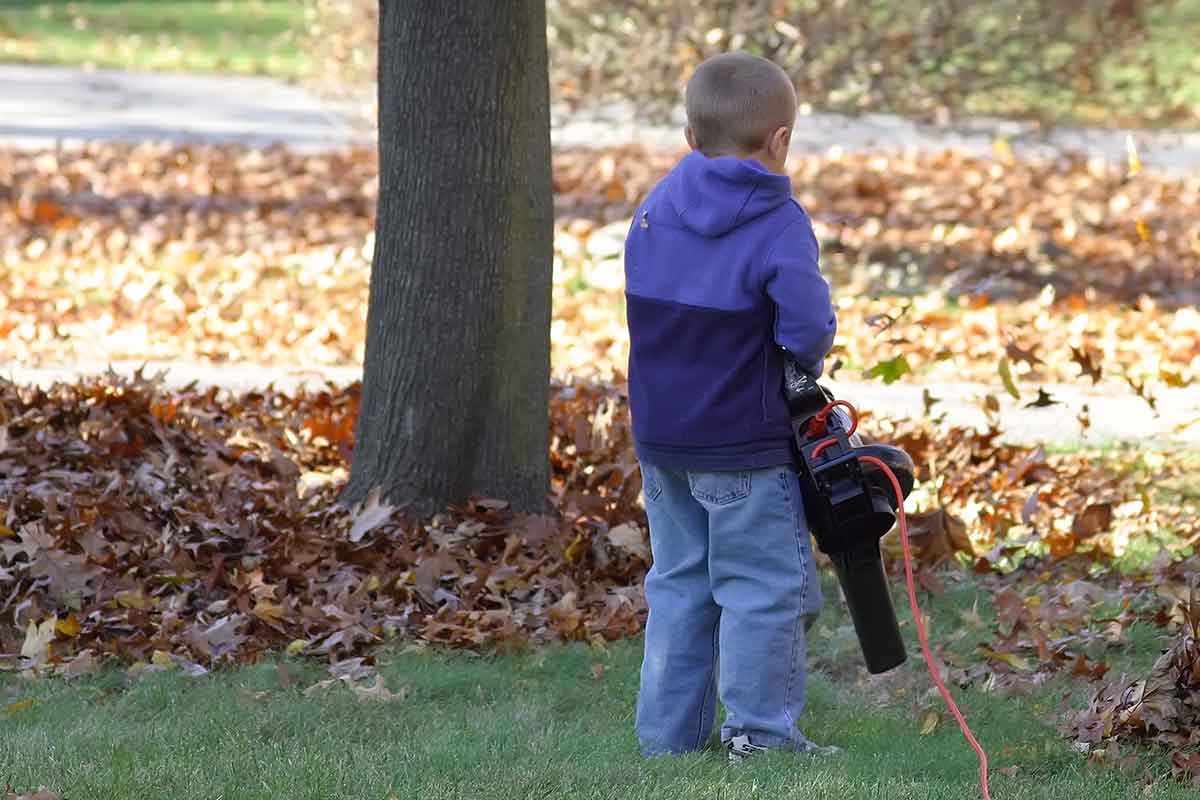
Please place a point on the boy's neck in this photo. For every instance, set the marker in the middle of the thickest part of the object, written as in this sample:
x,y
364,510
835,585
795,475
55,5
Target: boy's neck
x,y
761,156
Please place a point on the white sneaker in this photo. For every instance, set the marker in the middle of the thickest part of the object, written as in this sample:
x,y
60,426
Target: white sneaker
x,y
739,749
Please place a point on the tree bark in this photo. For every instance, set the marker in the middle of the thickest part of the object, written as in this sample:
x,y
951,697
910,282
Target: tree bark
x,y
457,368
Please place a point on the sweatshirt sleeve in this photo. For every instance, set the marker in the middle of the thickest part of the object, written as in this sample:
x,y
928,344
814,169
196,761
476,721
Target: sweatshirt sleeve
x,y
805,320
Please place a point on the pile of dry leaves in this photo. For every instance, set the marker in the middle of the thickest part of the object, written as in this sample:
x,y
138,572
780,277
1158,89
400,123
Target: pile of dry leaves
x,y
184,527
1162,708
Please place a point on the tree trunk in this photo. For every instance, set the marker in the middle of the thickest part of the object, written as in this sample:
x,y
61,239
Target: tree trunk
x,y
456,376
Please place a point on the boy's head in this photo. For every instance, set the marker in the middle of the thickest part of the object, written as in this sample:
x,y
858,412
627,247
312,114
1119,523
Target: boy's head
x,y
741,105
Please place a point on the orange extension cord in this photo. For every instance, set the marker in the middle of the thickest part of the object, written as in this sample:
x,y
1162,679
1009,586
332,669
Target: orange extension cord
x,y
912,599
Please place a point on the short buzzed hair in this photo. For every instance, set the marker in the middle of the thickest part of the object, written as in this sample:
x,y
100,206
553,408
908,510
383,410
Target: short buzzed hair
x,y
735,100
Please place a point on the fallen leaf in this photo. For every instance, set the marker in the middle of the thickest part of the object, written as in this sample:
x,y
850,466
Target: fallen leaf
x,y
36,646
1132,157
352,669
1003,149
629,537
286,679
935,536
221,637
1006,376
991,406
1012,659
1043,399
973,618
1017,354
134,599
33,539
68,626
378,693
928,401
321,686
1092,520
1087,364
1142,390
373,514
891,370
84,663
1172,378
1029,508
576,548
20,705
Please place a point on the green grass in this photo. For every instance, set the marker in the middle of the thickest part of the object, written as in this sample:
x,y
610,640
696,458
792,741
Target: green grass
x,y
240,36
533,725
1175,29
1126,93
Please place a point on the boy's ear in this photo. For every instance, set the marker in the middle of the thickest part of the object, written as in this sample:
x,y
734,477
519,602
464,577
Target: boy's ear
x,y
779,141
691,138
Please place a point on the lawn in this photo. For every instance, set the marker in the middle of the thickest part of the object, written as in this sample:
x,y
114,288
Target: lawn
x,y
240,36
547,724
1173,28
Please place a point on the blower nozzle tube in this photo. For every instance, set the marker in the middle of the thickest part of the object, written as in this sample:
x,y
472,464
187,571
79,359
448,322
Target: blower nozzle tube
x,y
860,572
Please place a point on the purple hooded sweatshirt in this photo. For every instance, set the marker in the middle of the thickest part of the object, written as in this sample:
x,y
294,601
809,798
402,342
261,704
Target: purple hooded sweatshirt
x,y
720,272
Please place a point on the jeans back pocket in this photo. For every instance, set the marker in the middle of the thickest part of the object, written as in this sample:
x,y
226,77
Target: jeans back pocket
x,y
719,488
651,484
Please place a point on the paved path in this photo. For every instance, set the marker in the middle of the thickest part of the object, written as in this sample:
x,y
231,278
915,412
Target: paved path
x,y
1116,414
1170,152
43,106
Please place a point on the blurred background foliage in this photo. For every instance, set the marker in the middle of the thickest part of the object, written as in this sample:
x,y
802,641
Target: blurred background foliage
x,y
1129,62
1122,62
249,37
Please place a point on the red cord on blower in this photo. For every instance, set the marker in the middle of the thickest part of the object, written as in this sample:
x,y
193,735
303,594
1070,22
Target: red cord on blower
x,y
817,426
912,599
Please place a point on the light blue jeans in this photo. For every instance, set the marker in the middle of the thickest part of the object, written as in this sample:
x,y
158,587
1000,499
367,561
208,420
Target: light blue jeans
x,y
731,594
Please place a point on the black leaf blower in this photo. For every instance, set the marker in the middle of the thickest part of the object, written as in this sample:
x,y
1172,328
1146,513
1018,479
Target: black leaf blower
x,y
850,505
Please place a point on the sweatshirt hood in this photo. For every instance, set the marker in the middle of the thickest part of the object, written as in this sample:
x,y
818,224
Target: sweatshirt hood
x,y
712,196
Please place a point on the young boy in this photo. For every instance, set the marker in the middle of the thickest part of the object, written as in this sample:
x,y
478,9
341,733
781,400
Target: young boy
x,y
721,273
